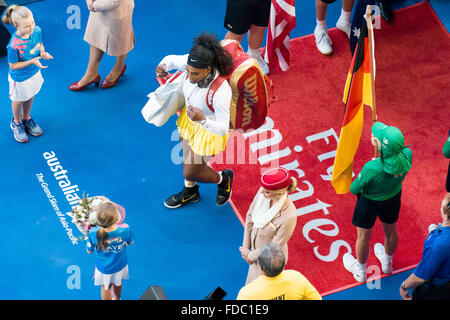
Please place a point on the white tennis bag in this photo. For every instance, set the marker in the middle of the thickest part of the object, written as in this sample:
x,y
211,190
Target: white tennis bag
x,y
165,101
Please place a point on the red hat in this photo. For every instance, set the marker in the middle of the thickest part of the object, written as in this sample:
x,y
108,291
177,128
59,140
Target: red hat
x,y
276,179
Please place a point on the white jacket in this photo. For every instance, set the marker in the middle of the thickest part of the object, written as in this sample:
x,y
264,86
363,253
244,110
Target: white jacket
x,y
218,121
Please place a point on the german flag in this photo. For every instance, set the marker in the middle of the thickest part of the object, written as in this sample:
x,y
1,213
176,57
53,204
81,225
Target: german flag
x,y
357,93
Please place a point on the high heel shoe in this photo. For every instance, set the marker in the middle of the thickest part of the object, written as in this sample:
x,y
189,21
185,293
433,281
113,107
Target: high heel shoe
x,y
108,84
76,87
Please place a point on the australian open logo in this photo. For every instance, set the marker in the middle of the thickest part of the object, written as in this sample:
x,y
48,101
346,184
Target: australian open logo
x,y
68,189
60,174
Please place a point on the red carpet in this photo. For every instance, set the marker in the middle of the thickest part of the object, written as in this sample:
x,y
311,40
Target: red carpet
x,y
412,76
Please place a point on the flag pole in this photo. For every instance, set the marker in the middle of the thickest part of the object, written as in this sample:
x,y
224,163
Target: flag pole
x,y
368,18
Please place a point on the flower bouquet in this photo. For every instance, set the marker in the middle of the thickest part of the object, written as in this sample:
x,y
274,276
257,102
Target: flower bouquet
x,y
84,215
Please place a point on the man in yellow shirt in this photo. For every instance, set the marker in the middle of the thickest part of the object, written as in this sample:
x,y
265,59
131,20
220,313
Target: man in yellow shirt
x,y
274,283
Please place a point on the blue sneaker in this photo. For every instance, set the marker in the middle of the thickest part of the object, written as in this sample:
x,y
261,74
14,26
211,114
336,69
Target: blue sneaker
x,y
32,127
19,131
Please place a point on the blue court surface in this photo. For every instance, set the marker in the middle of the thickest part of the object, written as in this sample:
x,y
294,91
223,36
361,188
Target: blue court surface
x,y
104,147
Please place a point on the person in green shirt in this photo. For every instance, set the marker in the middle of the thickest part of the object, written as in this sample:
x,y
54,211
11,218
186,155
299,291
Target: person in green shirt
x,y
378,188
446,153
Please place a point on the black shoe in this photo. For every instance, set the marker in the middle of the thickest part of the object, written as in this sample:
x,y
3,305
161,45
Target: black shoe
x,y
224,188
385,10
186,196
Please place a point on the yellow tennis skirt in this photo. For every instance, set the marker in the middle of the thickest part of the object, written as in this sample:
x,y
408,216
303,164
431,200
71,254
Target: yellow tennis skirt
x,y
201,141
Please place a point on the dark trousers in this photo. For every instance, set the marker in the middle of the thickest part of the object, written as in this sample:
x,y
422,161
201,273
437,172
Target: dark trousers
x,y
447,184
429,291
5,36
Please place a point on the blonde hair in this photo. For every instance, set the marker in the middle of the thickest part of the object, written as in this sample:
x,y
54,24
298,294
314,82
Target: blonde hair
x,y
293,185
107,217
446,206
14,14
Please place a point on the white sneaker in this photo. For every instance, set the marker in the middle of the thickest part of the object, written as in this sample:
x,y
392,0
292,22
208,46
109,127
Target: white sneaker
x,y
386,266
323,41
262,63
344,26
351,265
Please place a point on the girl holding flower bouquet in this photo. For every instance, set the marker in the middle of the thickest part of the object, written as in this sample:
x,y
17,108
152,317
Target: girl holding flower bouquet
x,y
109,244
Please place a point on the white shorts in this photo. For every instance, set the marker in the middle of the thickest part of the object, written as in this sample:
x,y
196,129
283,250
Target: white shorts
x,y
106,280
25,90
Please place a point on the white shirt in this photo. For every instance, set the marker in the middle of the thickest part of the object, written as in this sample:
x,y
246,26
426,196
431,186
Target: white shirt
x,y
218,121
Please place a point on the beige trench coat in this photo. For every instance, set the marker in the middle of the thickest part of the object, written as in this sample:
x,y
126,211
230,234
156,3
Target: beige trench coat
x,y
279,230
110,27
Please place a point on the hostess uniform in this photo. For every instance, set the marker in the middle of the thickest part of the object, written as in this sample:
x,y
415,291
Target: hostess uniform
x,y
288,285
210,137
24,83
379,183
265,223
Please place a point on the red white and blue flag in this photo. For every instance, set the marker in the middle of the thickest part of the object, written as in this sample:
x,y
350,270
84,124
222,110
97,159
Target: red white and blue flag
x,y
281,23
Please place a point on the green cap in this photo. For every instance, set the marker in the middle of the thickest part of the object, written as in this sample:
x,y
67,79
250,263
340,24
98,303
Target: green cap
x,y
392,145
